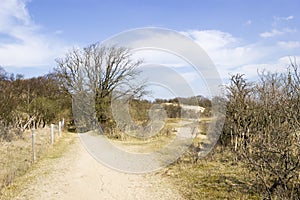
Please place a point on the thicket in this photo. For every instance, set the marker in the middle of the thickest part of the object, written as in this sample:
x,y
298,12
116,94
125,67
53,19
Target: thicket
x,y
262,128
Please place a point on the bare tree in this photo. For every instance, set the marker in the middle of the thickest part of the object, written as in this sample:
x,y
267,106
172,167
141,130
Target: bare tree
x,y
93,73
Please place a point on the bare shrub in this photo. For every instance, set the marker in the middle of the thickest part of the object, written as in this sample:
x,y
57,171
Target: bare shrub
x,y
262,128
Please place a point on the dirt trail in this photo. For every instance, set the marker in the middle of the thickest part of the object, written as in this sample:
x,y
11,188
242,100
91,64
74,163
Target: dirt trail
x,y
76,175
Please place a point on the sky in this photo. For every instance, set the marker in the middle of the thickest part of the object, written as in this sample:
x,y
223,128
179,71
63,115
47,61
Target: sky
x,y
239,36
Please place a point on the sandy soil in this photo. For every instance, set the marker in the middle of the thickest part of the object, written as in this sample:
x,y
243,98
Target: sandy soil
x,y
77,175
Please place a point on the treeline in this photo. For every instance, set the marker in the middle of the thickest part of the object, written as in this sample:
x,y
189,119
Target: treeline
x,y
30,103
262,129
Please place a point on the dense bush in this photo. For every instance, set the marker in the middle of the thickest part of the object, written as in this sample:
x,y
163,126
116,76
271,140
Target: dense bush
x,y
262,127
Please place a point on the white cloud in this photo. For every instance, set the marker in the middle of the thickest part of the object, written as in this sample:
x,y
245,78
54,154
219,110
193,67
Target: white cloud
x,y
271,33
211,39
13,12
275,32
224,49
286,60
276,66
289,44
229,53
23,45
27,47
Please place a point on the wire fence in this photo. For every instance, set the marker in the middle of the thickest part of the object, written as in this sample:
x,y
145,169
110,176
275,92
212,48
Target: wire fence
x,y
18,155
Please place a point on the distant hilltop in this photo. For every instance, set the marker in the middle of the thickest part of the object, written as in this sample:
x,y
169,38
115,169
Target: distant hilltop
x,y
187,107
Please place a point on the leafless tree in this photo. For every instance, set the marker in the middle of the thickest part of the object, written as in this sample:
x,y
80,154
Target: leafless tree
x,y
239,99
93,74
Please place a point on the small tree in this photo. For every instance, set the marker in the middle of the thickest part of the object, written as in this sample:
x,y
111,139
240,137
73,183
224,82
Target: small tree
x,y
238,116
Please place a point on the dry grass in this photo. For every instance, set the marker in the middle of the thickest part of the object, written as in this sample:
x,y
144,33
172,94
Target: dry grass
x,y
16,156
143,146
147,145
211,179
38,169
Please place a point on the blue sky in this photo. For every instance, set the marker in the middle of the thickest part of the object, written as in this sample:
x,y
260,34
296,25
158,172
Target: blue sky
x,y
239,36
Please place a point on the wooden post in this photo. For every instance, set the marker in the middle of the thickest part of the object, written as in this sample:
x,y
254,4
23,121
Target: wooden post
x,y
52,133
236,143
59,128
33,147
63,123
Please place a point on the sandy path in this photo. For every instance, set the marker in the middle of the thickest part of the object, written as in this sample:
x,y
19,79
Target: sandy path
x,y
77,175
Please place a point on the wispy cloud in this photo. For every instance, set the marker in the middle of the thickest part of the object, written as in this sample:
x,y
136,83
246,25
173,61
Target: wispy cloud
x,y
24,44
289,17
229,53
275,32
284,18
275,66
211,39
225,49
289,44
278,30
272,33
234,55
27,46
13,12
281,20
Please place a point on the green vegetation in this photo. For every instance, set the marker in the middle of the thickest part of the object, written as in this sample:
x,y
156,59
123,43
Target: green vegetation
x,y
30,103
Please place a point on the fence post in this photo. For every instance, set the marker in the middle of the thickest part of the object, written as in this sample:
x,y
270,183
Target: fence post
x,y
59,128
52,133
33,147
63,123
